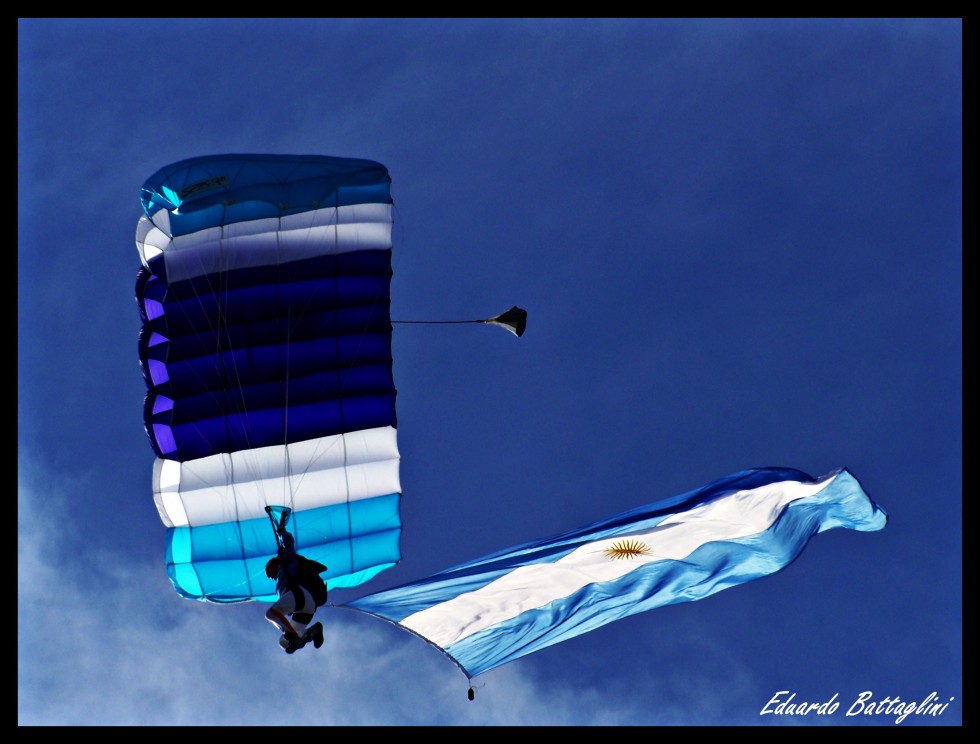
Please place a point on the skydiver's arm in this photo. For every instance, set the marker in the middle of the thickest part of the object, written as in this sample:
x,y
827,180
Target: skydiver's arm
x,y
287,553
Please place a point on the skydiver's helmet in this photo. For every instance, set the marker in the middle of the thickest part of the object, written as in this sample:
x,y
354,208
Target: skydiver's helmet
x,y
272,568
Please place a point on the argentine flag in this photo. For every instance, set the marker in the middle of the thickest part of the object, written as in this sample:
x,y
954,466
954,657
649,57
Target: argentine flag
x,y
741,527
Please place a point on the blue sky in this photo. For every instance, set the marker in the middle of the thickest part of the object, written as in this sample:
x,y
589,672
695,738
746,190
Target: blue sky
x,y
739,243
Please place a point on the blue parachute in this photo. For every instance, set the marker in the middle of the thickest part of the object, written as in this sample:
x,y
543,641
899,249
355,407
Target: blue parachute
x,y
266,351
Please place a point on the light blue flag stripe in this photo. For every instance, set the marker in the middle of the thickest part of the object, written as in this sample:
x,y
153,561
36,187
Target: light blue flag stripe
x,y
747,525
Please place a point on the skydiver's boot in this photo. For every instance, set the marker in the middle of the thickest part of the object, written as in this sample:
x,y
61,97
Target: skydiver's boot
x,y
290,642
315,633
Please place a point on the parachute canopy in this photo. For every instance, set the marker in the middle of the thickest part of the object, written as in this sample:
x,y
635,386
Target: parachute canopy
x,y
266,351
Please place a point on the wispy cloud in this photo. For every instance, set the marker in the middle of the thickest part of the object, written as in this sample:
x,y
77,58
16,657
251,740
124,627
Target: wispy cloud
x,y
148,657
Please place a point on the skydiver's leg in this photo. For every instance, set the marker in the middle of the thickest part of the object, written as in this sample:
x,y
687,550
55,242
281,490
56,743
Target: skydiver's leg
x,y
279,612
300,621
303,614
275,617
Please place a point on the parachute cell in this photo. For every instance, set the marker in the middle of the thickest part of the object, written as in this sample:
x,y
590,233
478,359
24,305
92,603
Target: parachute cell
x,y
266,351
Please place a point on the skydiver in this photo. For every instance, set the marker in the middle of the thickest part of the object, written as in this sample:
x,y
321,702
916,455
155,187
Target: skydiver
x,y
294,600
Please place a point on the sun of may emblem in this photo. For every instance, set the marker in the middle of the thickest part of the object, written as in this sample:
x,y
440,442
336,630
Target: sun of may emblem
x,y
627,549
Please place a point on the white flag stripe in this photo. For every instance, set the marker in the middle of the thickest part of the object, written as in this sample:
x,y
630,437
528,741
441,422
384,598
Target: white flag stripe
x,y
739,514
